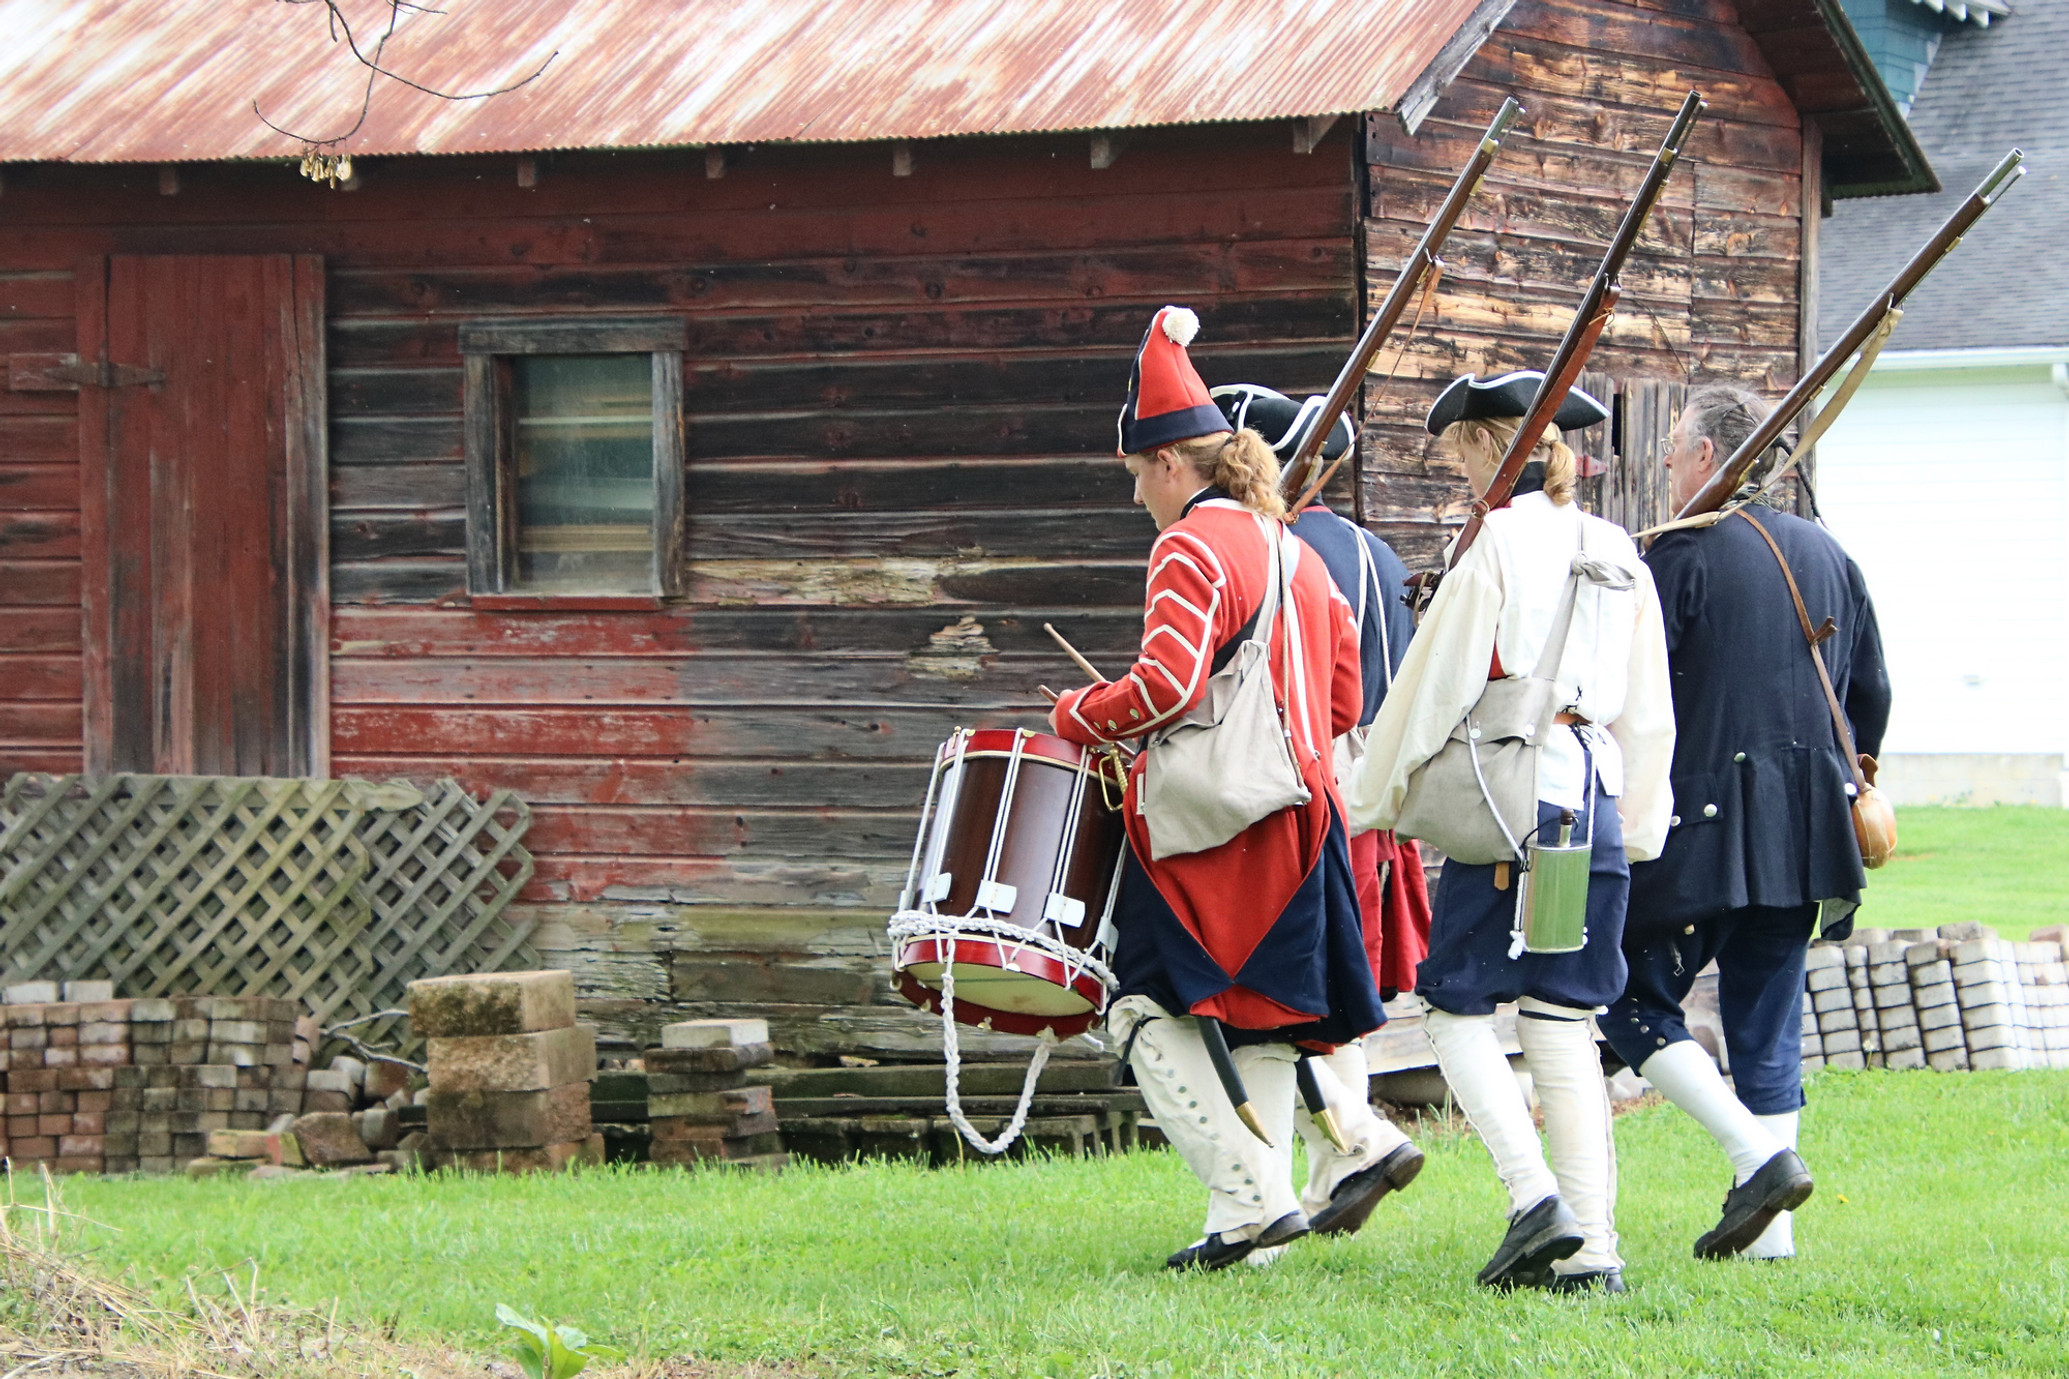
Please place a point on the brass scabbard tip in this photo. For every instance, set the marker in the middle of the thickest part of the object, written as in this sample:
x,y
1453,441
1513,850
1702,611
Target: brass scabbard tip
x,y
1248,1115
1326,1119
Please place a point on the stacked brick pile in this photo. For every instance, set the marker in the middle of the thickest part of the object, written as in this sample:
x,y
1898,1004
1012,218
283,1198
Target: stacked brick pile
x,y
93,1084
700,1107
1961,998
509,1071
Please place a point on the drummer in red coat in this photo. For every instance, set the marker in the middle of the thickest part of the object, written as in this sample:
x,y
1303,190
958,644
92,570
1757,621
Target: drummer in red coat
x,y
1261,933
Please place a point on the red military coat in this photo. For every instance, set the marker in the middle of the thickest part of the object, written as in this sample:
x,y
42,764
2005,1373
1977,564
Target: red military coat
x,y
1208,574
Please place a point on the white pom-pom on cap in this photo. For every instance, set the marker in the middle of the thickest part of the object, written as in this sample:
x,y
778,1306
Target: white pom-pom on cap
x,y
1180,324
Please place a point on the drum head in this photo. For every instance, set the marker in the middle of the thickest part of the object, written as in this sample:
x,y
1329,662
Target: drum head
x,y
998,989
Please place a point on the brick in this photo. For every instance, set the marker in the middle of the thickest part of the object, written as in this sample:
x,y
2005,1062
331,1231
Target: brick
x,y
78,1146
329,1139
1834,998
1995,1059
78,1163
513,1062
32,1037
551,1158
1940,1017
1892,997
30,993
85,1079
714,1034
89,992
328,1080
672,1084
1841,1042
1903,1059
1899,1040
502,1003
61,1015
32,1146
103,1055
60,1037
284,1099
1822,955
150,1053
153,1010
712,1108
240,1144
236,1032
502,1119
716,1060
385,1079
32,1080
1824,979
184,1054
701,1148
19,1103
89,1122
122,1122
316,1100
196,1124
1852,1062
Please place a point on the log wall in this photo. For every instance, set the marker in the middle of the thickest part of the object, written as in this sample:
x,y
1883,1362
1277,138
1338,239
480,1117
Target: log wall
x,y
1711,292
899,394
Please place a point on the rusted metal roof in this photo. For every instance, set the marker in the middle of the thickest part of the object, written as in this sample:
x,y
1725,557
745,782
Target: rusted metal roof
x,y
177,80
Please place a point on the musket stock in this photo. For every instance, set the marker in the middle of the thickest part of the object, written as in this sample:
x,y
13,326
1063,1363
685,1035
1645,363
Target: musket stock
x,y
1732,473
1596,306
1399,296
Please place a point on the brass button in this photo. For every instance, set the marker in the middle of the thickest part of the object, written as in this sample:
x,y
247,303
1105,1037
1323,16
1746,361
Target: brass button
x,y
1134,713
1111,724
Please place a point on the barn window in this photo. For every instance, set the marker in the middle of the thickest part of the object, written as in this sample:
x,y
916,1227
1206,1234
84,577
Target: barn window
x,y
574,457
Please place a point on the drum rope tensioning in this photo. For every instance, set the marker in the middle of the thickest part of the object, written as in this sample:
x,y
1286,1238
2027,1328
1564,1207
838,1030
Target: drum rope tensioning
x,y
1010,894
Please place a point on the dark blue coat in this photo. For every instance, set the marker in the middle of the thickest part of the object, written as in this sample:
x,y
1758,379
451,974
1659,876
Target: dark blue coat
x,y
1388,624
1760,787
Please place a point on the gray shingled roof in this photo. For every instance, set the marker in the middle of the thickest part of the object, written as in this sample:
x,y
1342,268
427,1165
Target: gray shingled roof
x,y
2008,284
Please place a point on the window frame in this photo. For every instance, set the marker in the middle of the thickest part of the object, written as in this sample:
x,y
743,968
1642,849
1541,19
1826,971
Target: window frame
x,y
486,348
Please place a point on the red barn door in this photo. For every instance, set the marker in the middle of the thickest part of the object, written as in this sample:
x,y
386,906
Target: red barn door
x,y
204,514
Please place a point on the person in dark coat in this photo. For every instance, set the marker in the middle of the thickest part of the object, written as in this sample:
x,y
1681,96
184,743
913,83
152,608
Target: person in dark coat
x,y
1345,1184
1762,836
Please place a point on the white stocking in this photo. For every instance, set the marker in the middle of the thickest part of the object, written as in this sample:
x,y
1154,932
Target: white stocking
x,y
1346,1086
1469,1053
1247,1182
1686,1076
1778,1241
1559,1045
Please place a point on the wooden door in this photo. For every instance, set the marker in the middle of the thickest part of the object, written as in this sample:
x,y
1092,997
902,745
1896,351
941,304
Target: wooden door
x,y
204,514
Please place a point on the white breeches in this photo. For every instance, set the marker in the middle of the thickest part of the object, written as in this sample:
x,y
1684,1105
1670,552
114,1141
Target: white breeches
x,y
1248,1183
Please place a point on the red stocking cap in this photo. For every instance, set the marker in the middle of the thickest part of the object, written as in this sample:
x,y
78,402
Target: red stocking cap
x,y
1167,402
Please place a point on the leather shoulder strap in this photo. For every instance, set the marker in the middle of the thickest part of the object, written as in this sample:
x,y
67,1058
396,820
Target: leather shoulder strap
x,y
1812,637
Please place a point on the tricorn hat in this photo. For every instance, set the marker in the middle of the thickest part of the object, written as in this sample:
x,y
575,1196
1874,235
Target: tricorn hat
x,y
1469,399
1279,419
1167,402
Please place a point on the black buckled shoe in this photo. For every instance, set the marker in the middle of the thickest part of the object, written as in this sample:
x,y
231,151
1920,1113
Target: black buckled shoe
x,y
1593,1281
1782,1184
1537,1239
1214,1253
1356,1196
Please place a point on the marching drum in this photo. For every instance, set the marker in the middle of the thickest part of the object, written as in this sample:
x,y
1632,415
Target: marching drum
x,y
1012,884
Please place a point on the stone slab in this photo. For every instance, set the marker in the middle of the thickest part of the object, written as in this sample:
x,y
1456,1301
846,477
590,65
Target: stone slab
x,y
714,1034
509,1120
499,1003
512,1062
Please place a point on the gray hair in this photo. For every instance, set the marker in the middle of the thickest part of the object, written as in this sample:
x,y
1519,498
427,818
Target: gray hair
x,y
1724,415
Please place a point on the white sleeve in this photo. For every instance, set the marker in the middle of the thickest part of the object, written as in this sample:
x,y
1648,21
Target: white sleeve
x,y
1443,675
1645,731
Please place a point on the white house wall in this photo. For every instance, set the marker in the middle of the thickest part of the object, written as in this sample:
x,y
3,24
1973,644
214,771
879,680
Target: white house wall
x,y
1950,486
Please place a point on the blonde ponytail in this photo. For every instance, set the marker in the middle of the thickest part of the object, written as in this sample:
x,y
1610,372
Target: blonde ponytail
x,y
1242,464
1480,444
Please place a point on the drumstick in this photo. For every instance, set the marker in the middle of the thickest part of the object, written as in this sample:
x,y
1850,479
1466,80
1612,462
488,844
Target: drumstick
x,y
1072,652
1051,695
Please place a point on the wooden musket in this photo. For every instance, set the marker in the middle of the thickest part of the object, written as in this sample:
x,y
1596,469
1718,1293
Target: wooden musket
x,y
1412,276
1595,310
1730,475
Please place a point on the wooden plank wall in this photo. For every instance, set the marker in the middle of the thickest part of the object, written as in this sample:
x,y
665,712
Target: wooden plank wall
x,y
1711,292
40,616
900,397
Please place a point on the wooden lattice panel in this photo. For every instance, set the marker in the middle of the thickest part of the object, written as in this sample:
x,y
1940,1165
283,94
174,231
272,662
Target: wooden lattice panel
x,y
333,893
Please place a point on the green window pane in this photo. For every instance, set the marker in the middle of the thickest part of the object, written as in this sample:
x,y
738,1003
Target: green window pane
x,y
585,472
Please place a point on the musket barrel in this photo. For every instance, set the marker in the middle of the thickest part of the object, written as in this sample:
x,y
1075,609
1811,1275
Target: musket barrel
x,y
1732,473
1399,296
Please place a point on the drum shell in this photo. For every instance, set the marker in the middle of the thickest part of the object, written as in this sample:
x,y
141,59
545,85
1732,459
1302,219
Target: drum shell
x,y
1057,789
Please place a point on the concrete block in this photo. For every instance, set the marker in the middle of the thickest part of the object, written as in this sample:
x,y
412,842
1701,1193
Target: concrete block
x,y
509,1120
712,1108
732,1059
1824,979
1841,1042
1851,1062
238,1144
30,993
1898,1040
1948,1060
1997,1060
1967,931
552,1158
1892,998
1887,951
1903,1059
1822,956
714,1034
1845,1018
501,1003
328,1139
1835,998
513,1062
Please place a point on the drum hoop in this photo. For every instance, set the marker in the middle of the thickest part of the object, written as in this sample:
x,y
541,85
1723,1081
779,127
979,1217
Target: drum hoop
x,y
1094,771
908,926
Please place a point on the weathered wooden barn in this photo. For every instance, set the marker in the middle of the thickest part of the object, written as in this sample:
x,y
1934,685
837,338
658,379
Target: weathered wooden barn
x,y
691,437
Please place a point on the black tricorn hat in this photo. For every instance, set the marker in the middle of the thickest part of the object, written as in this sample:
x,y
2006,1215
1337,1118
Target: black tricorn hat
x,y
1468,399
1278,418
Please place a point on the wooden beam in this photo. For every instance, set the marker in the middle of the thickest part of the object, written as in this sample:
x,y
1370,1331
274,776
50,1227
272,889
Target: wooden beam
x,y
1422,93
901,159
527,173
169,179
714,163
1310,130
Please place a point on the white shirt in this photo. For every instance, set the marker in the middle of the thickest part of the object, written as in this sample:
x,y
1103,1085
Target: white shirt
x,y
1503,598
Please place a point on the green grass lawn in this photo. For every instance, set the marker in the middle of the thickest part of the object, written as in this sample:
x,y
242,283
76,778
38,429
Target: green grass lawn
x,y
2007,866
1934,1246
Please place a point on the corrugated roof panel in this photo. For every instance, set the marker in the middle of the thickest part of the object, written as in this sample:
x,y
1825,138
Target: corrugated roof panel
x,y
177,80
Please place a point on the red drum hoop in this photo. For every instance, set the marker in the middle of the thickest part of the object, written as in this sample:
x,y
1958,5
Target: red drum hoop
x,y
1015,869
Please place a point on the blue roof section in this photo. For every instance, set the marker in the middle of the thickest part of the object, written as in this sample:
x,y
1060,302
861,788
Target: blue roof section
x,y
2007,285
